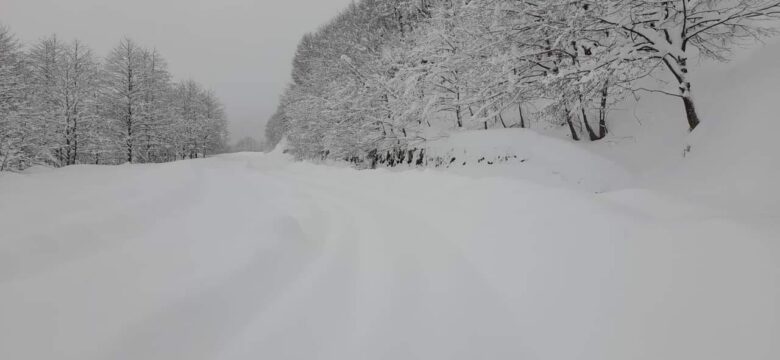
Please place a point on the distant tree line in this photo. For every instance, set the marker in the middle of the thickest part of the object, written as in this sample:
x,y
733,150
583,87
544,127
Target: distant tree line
x,y
62,105
385,75
247,144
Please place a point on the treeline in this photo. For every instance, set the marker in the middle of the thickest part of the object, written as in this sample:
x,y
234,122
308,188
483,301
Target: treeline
x,y
62,105
388,74
247,144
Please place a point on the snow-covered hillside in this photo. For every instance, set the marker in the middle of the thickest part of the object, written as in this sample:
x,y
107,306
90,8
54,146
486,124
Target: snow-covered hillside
x,y
733,159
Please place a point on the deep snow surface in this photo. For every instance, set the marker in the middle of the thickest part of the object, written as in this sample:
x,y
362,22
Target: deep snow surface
x,y
250,256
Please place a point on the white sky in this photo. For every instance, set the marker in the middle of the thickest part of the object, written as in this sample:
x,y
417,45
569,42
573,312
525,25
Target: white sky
x,y
240,48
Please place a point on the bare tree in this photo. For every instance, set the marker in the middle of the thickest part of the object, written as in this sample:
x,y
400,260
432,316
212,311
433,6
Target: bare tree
x,y
668,31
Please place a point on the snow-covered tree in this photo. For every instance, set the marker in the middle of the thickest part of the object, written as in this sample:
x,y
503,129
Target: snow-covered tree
x,y
17,149
385,75
214,134
78,85
155,115
59,105
47,81
674,31
124,93
200,123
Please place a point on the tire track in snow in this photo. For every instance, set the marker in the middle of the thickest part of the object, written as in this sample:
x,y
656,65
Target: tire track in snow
x,y
417,294
210,321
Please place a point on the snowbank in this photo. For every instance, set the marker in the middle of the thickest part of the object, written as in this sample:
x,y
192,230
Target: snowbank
x,y
734,157
525,154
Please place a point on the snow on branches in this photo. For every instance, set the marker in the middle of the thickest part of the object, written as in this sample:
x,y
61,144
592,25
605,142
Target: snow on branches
x,y
386,75
60,105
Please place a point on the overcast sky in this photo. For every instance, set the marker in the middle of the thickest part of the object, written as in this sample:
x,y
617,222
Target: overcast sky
x,y
240,48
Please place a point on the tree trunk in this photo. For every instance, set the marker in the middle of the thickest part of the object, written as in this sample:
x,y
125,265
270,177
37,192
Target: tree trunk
x,y
690,113
129,117
457,112
67,144
129,141
75,141
685,92
522,119
500,117
574,135
60,158
591,134
603,111
129,152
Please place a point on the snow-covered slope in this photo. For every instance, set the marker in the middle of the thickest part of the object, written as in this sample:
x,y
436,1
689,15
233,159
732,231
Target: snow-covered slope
x,y
250,256
525,154
731,160
734,158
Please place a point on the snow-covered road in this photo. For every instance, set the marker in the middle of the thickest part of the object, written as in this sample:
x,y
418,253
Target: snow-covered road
x,y
249,256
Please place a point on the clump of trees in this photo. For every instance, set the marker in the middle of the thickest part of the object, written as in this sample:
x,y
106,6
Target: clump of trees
x,y
247,144
62,105
387,74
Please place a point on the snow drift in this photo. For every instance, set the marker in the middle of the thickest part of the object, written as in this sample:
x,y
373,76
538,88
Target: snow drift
x,y
525,154
732,159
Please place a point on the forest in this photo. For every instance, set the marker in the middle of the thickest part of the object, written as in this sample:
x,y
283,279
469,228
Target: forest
x,y
61,104
388,75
